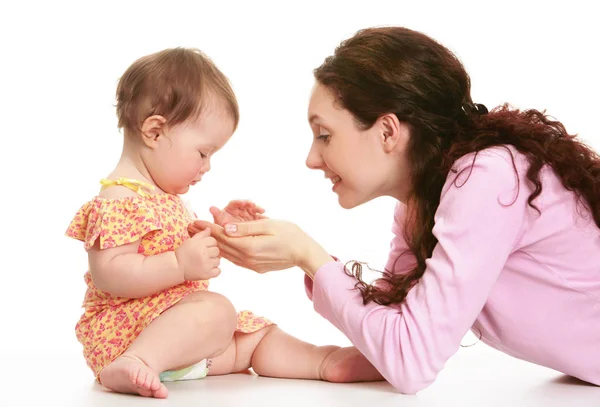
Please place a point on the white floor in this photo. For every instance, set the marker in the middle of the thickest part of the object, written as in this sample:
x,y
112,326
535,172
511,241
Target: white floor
x,y
481,377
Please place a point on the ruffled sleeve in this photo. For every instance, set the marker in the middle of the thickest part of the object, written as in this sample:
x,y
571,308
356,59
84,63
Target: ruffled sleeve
x,y
115,222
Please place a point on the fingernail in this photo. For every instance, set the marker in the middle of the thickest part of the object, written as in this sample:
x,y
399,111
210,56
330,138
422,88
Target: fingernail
x,y
230,228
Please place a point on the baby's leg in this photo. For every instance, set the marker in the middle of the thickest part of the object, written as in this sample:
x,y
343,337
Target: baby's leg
x,y
199,326
274,353
271,352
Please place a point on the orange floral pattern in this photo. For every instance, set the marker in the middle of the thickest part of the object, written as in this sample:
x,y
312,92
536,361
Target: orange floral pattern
x,y
110,324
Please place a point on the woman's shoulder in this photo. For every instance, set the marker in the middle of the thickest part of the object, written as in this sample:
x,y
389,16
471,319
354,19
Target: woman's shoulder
x,y
499,171
500,157
501,165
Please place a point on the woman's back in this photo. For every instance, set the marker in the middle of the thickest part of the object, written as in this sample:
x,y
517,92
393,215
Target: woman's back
x,y
551,279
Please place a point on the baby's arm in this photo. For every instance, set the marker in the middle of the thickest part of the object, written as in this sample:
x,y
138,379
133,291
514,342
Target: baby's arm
x,y
123,272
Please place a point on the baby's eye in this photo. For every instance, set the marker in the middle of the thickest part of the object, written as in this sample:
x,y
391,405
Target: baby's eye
x,y
203,155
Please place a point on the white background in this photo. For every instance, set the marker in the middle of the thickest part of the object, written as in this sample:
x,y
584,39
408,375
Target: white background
x,y
59,68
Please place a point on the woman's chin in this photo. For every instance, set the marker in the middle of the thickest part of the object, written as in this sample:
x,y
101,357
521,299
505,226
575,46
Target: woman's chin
x,y
347,202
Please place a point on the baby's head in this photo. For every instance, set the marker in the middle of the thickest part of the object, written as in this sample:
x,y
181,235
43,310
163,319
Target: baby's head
x,y
176,109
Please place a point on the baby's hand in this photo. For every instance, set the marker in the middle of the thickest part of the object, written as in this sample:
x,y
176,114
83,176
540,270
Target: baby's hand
x,y
198,257
237,211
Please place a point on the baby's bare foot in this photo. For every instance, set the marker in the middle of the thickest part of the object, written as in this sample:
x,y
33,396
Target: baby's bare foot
x,y
129,374
346,365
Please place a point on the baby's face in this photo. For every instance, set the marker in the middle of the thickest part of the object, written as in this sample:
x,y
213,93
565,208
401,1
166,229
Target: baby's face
x,y
183,153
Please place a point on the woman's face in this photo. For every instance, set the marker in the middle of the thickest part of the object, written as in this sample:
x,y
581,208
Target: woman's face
x,y
361,164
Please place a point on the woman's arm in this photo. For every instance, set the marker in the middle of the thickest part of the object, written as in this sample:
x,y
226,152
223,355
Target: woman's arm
x,y
400,259
266,245
477,224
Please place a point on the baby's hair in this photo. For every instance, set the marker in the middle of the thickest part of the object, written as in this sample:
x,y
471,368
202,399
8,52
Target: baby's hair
x,y
176,83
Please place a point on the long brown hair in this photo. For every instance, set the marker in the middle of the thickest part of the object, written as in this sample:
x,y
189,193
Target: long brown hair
x,y
397,70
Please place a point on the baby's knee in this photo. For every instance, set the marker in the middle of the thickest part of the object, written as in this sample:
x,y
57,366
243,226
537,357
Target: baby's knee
x,y
215,312
222,312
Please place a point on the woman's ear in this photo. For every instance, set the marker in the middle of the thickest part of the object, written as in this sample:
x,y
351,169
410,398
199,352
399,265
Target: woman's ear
x,y
152,129
394,134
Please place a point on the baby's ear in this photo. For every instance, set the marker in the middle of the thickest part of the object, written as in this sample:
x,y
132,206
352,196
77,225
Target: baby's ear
x,y
152,128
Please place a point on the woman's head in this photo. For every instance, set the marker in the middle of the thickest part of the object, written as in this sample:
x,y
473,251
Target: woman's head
x,y
381,83
392,112
362,163
176,108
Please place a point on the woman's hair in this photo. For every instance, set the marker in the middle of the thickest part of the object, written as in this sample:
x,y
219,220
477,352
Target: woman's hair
x,y
396,70
175,83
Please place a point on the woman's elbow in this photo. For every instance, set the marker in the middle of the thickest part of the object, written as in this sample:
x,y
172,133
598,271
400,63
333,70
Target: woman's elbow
x,y
407,388
410,383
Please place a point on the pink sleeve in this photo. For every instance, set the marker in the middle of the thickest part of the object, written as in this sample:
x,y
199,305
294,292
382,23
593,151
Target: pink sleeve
x,y
477,225
308,287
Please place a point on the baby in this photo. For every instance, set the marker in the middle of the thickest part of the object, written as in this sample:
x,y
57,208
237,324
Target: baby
x,y
149,317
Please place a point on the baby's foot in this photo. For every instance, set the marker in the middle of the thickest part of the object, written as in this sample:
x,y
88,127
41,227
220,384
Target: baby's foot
x,y
129,374
347,365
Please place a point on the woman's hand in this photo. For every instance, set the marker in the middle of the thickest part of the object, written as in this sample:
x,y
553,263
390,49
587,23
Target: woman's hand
x,y
237,211
266,245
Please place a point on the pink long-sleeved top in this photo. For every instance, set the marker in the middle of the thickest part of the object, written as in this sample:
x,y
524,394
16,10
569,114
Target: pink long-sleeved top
x,y
529,283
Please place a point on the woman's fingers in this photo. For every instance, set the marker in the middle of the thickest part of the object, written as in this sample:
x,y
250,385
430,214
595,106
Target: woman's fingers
x,y
238,229
237,203
216,230
239,209
229,247
193,229
228,251
253,228
233,256
260,245
215,212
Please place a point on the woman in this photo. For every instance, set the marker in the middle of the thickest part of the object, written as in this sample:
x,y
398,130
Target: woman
x,y
496,227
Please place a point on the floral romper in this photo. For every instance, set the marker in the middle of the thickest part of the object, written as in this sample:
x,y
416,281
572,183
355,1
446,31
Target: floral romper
x,y
110,324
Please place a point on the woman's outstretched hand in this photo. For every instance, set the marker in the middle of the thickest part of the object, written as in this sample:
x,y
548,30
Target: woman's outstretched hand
x,y
266,245
237,211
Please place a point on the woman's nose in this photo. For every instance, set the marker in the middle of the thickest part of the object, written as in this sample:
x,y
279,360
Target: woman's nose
x,y
314,160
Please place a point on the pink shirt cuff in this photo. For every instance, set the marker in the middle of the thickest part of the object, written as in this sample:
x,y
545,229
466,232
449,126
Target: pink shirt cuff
x,y
309,283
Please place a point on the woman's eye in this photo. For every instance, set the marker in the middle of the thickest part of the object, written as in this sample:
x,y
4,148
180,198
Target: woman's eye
x,y
323,137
